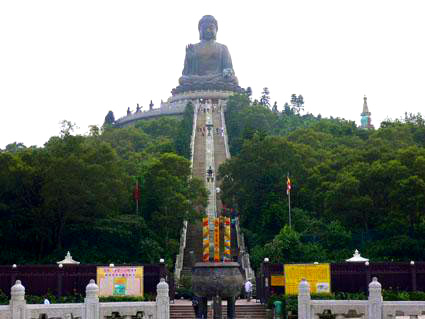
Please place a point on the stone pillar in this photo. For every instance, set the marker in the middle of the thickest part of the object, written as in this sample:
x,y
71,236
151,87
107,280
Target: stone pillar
x,y
304,299
375,302
18,304
91,302
162,300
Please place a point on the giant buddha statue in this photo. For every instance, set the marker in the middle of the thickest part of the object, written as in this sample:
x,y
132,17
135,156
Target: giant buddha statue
x,y
207,65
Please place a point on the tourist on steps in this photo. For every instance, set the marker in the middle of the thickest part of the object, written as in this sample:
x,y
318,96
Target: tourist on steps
x,y
210,176
248,290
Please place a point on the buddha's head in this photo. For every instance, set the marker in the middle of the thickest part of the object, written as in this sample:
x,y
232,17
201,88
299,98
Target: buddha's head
x,y
208,28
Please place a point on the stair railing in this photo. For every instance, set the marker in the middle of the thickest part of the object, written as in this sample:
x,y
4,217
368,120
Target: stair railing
x,y
223,125
179,258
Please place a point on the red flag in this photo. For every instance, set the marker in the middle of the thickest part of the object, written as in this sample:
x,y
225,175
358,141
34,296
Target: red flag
x,y
136,192
288,185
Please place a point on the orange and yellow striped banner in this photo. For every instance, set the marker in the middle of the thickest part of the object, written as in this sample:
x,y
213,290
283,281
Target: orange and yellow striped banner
x,y
205,240
227,254
216,239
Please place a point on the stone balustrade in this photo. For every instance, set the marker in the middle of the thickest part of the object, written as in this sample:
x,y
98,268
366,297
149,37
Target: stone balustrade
x,y
180,256
223,125
90,309
373,308
165,110
175,105
244,259
201,94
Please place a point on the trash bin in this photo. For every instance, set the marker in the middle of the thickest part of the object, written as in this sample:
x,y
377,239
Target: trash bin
x,y
277,314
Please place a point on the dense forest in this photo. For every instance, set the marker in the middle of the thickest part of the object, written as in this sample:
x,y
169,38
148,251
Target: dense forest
x,y
76,193
351,188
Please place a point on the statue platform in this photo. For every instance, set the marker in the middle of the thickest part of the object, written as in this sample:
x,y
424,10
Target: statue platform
x,y
174,106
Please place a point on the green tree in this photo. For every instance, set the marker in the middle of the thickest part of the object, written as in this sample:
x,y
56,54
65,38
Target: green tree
x,y
185,132
265,97
170,197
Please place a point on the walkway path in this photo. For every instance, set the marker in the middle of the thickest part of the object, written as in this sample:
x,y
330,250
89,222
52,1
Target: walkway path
x,y
210,180
209,151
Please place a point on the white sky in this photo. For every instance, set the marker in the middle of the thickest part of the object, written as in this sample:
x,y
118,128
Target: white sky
x,y
76,60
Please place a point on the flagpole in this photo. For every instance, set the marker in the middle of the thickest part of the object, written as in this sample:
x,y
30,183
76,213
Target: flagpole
x,y
289,208
288,192
137,197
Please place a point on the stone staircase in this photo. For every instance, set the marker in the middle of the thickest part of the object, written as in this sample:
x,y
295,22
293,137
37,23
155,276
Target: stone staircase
x,y
194,231
245,311
200,158
198,169
219,150
193,243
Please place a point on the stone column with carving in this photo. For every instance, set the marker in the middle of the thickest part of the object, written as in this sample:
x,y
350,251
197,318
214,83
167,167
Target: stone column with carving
x,y
304,299
375,302
162,300
91,302
18,304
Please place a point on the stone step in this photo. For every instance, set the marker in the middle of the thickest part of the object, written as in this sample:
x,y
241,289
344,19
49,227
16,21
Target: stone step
x,y
255,311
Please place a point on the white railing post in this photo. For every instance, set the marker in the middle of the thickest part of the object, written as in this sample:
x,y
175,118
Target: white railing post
x,y
18,304
91,302
375,302
304,300
162,300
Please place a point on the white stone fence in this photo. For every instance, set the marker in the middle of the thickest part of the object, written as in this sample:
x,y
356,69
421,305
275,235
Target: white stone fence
x,y
90,309
373,308
223,125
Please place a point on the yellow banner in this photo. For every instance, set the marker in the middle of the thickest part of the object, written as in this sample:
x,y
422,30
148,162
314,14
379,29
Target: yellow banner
x,y
205,240
120,281
277,280
216,239
227,243
318,276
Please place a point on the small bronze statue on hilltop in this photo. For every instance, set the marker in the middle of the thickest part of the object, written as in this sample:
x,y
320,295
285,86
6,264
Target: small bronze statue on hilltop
x,y
207,65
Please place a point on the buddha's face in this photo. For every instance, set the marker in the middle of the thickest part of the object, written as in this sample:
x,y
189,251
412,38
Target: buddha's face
x,y
208,31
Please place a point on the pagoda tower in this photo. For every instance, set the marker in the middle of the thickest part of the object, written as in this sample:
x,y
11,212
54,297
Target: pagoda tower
x,y
366,120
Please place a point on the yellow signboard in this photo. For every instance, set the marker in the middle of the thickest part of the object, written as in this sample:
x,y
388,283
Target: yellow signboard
x,y
277,280
318,276
227,244
120,281
205,240
216,239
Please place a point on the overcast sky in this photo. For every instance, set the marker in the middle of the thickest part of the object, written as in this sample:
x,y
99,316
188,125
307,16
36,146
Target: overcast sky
x,y
76,60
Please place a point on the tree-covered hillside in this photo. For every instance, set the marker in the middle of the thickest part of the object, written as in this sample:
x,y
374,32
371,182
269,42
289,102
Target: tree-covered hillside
x,y
352,188
76,193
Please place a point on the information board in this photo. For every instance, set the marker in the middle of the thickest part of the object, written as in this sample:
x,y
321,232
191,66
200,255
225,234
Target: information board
x,y
120,281
318,276
277,281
